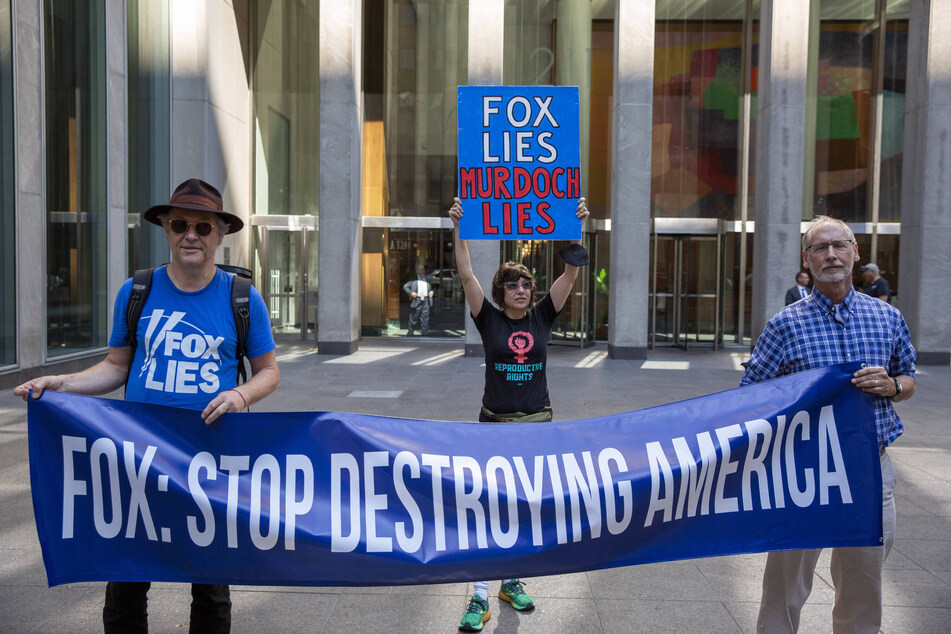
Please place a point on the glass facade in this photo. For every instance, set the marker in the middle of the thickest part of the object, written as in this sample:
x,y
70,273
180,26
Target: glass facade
x,y
569,43
857,83
703,170
76,249
895,64
698,83
386,311
286,117
844,89
149,100
414,58
8,304
286,163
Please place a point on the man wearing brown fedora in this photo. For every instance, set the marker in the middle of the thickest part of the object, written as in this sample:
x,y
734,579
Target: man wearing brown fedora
x,y
184,354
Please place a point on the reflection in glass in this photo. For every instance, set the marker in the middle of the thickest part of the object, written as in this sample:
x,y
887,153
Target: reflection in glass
x,y
737,284
685,289
414,58
600,250
390,260
286,107
843,88
415,55
149,127
568,43
8,302
284,281
574,324
286,129
893,115
286,274
696,120
77,306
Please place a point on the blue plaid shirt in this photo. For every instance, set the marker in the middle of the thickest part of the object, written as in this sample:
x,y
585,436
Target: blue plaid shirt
x,y
805,335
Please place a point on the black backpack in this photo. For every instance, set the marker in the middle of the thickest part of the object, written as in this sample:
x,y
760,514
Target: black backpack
x,y
240,300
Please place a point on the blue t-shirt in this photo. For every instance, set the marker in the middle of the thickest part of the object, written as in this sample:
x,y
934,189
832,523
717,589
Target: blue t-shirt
x,y
186,341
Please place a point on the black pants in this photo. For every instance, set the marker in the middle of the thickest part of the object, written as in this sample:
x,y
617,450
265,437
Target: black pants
x,y
126,608
419,317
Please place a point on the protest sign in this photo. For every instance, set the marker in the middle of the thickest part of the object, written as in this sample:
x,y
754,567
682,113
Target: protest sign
x,y
519,162
126,491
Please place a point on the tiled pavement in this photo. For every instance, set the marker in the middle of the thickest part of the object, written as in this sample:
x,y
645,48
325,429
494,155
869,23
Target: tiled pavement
x,y
433,380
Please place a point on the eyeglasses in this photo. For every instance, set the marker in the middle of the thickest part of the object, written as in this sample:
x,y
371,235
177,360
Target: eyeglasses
x,y
180,226
514,286
839,246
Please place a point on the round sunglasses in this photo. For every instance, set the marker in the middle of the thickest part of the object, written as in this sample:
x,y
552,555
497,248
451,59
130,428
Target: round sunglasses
x,y
180,226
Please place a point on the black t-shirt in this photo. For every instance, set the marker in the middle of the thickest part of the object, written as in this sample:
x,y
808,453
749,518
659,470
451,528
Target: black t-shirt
x,y
878,288
516,351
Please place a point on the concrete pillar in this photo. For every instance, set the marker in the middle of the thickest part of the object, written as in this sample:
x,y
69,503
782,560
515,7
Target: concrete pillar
x,y
925,258
573,66
211,106
780,154
486,26
30,188
341,147
632,113
117,164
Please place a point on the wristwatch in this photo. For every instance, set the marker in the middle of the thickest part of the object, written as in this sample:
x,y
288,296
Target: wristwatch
x,y
897,387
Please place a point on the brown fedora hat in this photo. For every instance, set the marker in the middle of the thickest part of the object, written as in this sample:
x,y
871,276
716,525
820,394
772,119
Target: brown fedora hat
x,y
196,195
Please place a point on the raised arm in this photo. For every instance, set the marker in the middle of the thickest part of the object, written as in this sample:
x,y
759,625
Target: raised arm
x,y
470,285
561,288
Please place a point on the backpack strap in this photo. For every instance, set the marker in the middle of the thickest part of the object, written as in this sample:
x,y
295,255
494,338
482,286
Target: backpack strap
x,y
240,303
141,285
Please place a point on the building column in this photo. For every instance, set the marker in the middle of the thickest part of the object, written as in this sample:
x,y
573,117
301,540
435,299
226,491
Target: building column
x,y
780,154
211,107
925,258
117,164
573,67
30,185
632,115
486,28
339,236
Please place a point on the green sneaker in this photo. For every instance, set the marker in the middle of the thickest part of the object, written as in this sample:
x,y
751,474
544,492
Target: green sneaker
x,y
476,614
512,592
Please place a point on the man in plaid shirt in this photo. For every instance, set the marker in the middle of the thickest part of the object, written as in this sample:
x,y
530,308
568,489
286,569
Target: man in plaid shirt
x,y
835,324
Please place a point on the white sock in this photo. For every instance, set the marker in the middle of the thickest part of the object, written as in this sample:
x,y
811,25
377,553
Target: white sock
x,y
481,588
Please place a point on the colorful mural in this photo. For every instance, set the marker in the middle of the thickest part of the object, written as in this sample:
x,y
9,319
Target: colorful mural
x,y
697,89
697,85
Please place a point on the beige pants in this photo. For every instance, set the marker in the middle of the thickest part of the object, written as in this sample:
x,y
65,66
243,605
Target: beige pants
x,y
856,575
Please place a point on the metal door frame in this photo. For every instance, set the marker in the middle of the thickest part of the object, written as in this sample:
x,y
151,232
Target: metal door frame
x,y
302,226
682,229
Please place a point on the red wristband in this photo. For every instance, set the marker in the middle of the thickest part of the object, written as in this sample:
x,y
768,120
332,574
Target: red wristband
x,y
241,395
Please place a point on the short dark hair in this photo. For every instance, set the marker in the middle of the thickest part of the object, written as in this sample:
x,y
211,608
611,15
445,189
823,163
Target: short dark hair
x,y
508,272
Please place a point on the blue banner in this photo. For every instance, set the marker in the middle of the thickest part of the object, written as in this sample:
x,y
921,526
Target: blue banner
x,y
519,162
125,491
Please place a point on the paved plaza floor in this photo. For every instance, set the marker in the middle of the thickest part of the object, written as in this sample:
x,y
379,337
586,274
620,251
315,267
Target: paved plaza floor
x,y
415,378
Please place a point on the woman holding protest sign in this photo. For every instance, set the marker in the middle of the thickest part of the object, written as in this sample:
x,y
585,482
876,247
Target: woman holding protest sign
x,y
515,337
